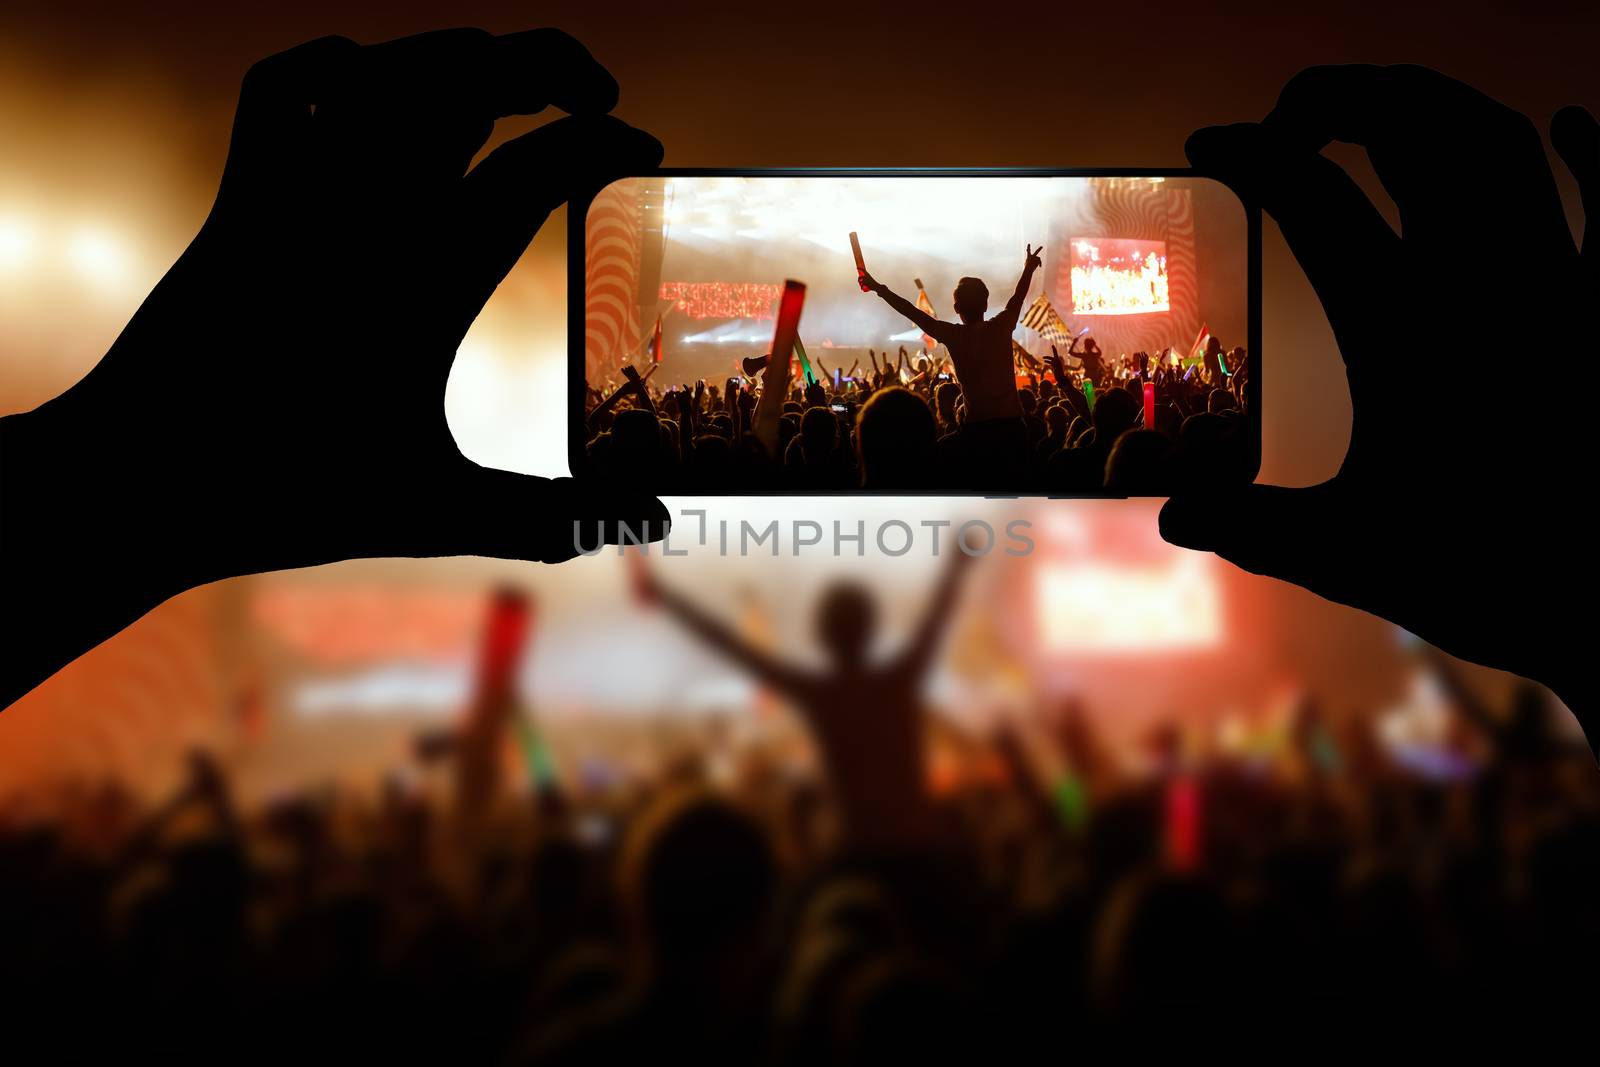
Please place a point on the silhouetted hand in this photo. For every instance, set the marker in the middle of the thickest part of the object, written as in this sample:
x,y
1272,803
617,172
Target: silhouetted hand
x,y
1457,534
1034,259
1057,366
278,400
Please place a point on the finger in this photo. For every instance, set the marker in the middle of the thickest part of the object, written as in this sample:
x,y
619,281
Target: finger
x,y
543,68
507,197
437,94
517,516
272,123
480,74
1341,241
1263,529
1442,149
1576,137
410,114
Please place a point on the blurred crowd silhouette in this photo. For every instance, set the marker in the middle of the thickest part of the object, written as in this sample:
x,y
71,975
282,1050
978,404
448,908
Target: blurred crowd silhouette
x,y
1082,426
718,901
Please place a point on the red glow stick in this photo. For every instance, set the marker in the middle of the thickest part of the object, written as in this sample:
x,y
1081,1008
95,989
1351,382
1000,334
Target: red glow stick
x,y
775,380
1183,823
861,266
644,590
510,616
1149,405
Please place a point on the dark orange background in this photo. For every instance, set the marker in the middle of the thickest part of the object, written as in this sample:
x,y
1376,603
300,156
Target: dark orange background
x,y
123,111
130,104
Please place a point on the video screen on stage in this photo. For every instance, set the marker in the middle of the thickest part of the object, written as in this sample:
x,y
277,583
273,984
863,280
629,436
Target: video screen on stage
x,y
965,334
1119,276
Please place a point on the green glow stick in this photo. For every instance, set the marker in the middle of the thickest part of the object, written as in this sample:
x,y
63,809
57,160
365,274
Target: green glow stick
x,y
535,754
1088,392
1072,802
805,364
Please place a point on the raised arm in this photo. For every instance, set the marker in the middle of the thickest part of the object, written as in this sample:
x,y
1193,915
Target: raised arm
x,y
1013,309
639,387
719,635
924,321
606,405
936,616
1471,706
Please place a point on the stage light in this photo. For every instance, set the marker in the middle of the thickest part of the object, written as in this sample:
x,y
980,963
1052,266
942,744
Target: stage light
x,y
906,214
97,257
412,688
17,242
1104,608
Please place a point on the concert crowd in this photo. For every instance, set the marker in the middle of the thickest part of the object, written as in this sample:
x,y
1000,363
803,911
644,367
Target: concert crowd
x,y
898,422
734,897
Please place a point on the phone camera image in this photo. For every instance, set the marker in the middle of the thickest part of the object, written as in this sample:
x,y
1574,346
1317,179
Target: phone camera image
x,y
1047,335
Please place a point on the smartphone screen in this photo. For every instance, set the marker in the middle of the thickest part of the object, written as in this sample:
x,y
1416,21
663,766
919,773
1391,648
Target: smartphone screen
x,y
980,280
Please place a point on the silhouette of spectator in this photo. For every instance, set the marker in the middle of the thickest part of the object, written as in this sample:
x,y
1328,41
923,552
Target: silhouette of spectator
x,y
896,438
866,716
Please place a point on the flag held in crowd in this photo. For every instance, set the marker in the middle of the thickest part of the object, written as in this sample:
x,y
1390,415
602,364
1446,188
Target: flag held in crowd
x,y
925,306
1043,319
654,347
1023,358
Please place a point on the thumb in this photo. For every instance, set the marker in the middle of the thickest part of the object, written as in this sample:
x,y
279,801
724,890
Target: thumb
x,y
1289,534
518,516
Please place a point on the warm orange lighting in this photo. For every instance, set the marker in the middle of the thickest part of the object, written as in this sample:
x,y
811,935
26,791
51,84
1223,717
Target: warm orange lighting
x,y
1092,608
97,257
18,243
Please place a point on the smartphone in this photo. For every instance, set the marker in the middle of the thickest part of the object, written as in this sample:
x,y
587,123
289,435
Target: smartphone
x,y
1134,261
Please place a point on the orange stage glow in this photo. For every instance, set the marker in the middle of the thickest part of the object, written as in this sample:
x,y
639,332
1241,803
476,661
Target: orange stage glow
x,y
1100,608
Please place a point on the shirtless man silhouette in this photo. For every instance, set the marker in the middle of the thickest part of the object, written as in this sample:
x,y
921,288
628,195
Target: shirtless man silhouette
x,y
865,715
980,348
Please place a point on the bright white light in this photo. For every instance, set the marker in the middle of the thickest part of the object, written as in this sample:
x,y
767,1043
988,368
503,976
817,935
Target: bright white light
x,y
97,257
439,690
17,242
894,213
1097,608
